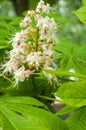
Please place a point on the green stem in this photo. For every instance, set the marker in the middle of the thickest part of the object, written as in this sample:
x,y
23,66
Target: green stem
x,y
5,77
36,41
48,98
33,82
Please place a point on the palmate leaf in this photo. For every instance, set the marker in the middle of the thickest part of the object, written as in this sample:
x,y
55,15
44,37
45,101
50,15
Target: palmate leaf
x,y
66,110
79,66
22,116
3,47
25,88
65,46
42,87
7,26
66,74
72,56
77,121
81,13
47,120
65,51
80,52
11,120
84,2
24,100
73,93
66,63
31,87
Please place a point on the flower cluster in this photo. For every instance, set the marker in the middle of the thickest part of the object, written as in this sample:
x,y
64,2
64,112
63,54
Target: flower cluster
x,y
32,46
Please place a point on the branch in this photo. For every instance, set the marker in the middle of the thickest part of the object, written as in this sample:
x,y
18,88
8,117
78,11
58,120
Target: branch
x,y
20,6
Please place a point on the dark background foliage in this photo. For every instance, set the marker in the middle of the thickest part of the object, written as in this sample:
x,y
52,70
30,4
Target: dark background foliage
x,y
71,28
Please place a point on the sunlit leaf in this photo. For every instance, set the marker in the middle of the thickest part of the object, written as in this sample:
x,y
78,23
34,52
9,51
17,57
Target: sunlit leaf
x,y
77,121
81,13
73,93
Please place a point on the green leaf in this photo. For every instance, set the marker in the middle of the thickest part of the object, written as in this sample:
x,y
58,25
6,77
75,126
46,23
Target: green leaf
x,y
6,124
66,74
79,66
65,46
81,13
21,113
84,2
66,63
35,114
4,83
66,110
2,55
12,120
53,15
77,121
24,100
25,88
40,85
72,56
26,117
73,93
3,47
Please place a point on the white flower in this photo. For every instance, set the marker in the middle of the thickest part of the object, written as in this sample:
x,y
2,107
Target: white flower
x,y
28,73
51,22
19,37
19,74
46,8
23,48
27,20
34,58
45,32
16,40
41,7
50,77
10,66
31,13
47,27
23,36
40,4
40,20
47,61
14,53
47,49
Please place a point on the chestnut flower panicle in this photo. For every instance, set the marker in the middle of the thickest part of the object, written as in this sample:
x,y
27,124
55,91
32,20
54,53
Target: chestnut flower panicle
x,y
32,46
41,7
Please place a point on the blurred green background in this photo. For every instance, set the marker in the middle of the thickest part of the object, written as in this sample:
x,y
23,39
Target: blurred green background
x,y
70,29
